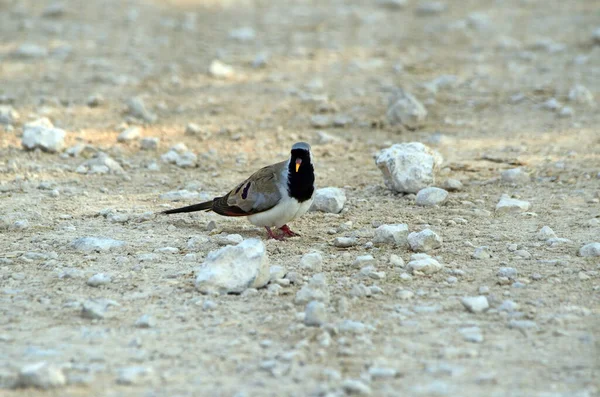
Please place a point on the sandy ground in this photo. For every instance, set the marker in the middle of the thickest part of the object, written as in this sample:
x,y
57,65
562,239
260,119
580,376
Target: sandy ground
x,y
335,58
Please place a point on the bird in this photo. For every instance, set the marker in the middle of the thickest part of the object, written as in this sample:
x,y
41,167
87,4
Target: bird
x,y
271,197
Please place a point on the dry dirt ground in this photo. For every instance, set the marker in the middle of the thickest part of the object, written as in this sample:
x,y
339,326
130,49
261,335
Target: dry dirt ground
x,y
335,58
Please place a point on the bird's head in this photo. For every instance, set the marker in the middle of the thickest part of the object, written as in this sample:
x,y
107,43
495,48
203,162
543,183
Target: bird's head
x,y
301,156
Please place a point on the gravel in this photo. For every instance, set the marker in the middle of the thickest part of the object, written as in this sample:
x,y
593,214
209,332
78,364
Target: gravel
x,y
431,196
329,199
424,241
316,289
232,269
408,167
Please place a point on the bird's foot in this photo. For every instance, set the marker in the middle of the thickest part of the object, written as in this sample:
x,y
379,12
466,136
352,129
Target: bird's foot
x,y
288,232
273,235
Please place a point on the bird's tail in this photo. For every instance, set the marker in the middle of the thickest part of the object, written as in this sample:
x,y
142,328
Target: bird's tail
x,y
207,205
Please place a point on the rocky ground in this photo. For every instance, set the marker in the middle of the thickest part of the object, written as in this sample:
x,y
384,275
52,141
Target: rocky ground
x,y
111,111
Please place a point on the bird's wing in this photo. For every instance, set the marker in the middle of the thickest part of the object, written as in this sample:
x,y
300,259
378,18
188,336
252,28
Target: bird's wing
x,y
260,192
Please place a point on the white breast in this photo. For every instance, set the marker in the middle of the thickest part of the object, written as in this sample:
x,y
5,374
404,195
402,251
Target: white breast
x,y
285,211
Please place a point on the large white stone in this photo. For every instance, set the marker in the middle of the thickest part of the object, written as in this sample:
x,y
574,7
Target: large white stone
x,y
233,269
41,375
431,196
408,167
590,250
329,199
406,110
510,205
42,134
475,304
424,241
391,234
423,263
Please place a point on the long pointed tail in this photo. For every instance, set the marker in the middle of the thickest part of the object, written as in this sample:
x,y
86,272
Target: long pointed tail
x,y
207,205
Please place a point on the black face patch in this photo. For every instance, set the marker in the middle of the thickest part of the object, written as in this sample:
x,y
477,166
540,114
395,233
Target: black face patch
x,y
301,184
245,191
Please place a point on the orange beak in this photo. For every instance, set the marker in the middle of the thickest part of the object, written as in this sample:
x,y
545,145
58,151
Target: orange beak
x,y
298,162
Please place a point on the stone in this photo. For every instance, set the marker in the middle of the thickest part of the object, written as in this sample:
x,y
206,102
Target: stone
x,y
508,272
182,158
424,241
429,8
145,321
8,115
423,263
472,334
88,244
552,104
515,175
522,324
481,253
408,167
93,310
98,280
508,306
30,51
312,261
545,233
232,269
329,199
150,143
354,387
431,196
581,95
590,250
396,234
320,121
133,375
243,34
382,372
95,100
345,242
137,108
228,239
220,70
276,272
315,314
21,224
41,375
43,135
352,327
406,110
475,304
101,163
316,289
396,261
363,260
508,205
193,129
179,195
452,185
404,294
392,4
130,134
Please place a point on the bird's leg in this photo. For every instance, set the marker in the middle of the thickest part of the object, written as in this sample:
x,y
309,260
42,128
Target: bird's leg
x,y
287,231
272,235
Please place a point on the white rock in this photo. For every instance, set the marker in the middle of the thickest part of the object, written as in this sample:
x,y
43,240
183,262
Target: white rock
x,y
581,95
452,185
481,253
130,134
392,4
93,309
88,244
408,167
228,239
8,115
197,243
356,387
404,294
42,134
329,199
315,314
396,234
370,272
508,272
137,108
145,321
220,70
179,195
382,372
243,34
30,50
590,250
552,104
507,205
312,261
423,263
472,334
396,261
232,269
276,272
431,196
315,289
98,280
406,110
515,175
102,163
508,306
133,375
363,260
566,112
475,304
344,242
430,8
545,233
41,375
149,143
21,224
353,327
424,241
